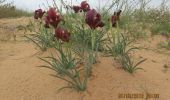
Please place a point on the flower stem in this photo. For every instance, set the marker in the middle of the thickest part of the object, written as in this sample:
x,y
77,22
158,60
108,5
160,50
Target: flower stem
x,y
93,43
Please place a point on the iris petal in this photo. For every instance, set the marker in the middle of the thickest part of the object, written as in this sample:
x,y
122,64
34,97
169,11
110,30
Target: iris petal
x,y
85,6
76,9
38,13
93,19
52,18
62,34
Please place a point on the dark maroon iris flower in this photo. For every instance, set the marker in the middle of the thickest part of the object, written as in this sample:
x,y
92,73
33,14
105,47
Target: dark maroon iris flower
x,y
38,13
62,34
115,18
76,9
85,6
93,19
52,18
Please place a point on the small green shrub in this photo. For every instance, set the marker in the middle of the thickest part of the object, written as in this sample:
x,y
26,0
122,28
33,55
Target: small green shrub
x,y
161,28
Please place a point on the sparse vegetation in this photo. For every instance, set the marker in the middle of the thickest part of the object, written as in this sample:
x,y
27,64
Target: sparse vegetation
x,y
8,10
83,33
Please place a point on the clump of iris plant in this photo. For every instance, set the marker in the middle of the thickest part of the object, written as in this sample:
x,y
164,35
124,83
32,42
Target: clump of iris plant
x,y
53,18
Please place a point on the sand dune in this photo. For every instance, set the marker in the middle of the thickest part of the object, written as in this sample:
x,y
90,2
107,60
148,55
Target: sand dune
x,y
20,79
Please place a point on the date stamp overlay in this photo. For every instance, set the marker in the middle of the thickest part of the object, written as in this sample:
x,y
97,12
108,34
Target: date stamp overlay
x,y
138,96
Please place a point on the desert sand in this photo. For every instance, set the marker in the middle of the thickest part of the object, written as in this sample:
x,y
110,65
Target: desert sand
x,y
21,79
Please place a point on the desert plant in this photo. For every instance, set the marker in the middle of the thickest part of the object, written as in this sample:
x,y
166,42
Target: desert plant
x,y
86,38
67,65
160,21
120,46
121,50
128,64
44,35
65,60
67,69
161,28
42,38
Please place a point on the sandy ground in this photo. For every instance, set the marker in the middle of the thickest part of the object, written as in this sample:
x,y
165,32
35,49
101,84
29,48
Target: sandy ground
x,y
20,79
